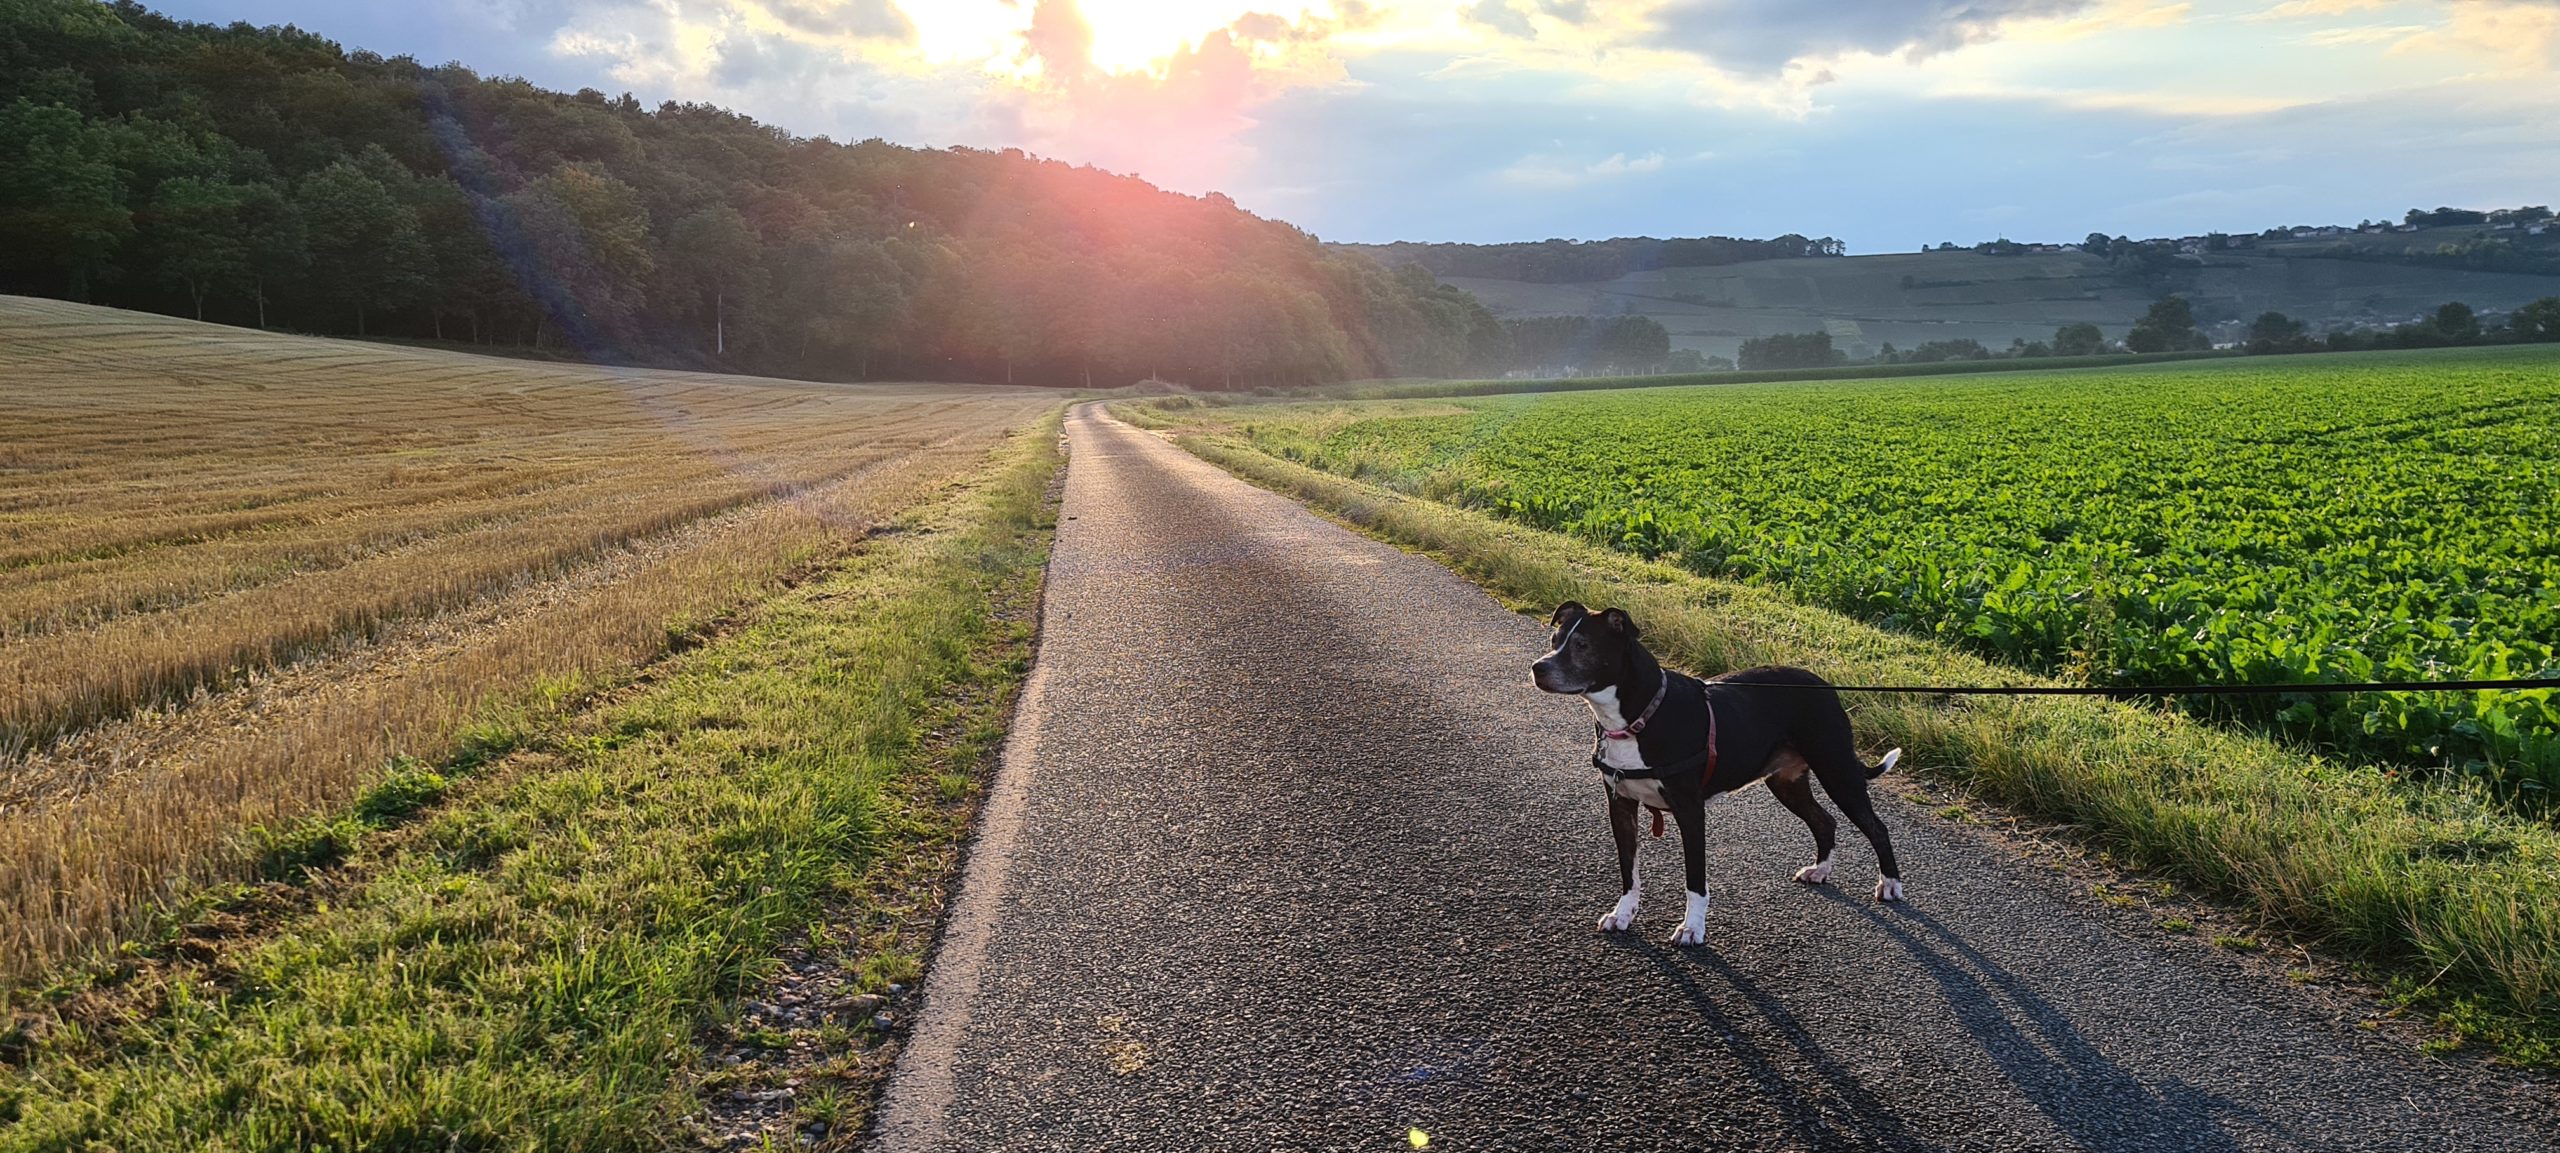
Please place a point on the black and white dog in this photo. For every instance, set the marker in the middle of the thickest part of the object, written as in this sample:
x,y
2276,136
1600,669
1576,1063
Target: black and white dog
x,y
1689,740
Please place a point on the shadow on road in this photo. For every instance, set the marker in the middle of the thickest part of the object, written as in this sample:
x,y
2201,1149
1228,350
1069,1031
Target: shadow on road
x,y
2086,1095
1859,1120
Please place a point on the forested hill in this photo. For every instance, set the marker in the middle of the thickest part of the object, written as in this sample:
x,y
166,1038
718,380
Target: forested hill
x,y
1590,261
265,176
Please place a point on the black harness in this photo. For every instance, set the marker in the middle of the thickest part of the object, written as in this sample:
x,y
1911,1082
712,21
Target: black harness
x,y
1601,736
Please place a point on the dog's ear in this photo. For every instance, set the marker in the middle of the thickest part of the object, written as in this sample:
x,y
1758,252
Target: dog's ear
x,y
1619,622
1567,613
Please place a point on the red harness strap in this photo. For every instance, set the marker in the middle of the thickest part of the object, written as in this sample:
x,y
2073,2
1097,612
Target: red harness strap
x,y
1635,727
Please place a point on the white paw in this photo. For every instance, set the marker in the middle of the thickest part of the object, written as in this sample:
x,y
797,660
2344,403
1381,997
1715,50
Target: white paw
x,y
1619,919
1815,873
1888,889
1693,920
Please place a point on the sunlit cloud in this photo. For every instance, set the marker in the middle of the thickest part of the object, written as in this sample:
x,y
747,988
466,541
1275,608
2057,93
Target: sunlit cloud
x,y
2518,36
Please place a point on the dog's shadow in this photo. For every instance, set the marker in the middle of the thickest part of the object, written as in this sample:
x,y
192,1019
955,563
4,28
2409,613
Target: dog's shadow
x,y
2086,1095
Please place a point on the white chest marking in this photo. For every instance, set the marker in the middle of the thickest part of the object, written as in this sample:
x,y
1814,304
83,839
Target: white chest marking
x,y
1606,709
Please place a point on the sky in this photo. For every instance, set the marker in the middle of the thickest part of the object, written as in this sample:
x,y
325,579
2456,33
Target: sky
x,y
1889,124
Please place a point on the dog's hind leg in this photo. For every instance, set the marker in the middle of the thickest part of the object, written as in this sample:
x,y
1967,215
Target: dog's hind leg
x,y
1796,793
1834,756
1851,796
1622,827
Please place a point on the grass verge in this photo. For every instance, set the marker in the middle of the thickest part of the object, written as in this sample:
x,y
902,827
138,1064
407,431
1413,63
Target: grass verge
x,y
2453,901
1424,389
529,959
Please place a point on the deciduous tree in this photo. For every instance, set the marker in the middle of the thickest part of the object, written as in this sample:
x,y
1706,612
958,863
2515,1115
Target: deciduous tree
x,y
62,209
717,253
366,250
2079,339
2169,326
195,237
2538,321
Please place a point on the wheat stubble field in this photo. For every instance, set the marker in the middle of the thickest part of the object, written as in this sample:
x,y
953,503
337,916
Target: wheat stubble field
x,y
241,573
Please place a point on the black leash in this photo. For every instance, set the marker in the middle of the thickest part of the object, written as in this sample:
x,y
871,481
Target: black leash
x,y
2320,688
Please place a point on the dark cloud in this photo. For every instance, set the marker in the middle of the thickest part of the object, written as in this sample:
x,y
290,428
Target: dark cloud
x,y
1511,17
1763,36
1500,16
746,60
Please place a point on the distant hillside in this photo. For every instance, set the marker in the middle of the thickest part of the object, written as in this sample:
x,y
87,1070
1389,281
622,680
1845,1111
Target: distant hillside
x,y
1909,299
1587,261
268,177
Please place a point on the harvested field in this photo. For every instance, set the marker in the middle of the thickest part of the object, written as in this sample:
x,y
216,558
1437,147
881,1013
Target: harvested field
x,y
240,572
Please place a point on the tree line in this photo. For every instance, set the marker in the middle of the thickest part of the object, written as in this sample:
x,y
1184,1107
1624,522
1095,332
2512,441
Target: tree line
x,y
266,176
1588,345
2169,325
1591,261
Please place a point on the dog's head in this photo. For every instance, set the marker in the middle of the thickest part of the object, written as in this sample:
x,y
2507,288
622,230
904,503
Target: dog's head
x,y
1589,651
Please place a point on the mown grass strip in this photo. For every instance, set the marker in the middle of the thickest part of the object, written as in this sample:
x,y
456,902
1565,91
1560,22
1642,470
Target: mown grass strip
x,y
529,965
2453,898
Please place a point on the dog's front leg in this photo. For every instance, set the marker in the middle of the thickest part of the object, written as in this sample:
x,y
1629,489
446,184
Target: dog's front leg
x,y
1691,813
1622,825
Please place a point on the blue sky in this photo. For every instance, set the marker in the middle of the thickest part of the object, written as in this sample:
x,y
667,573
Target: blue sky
x,y
1888,123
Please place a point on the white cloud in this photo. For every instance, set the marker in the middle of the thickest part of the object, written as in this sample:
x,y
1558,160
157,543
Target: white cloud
x,y
2182,105
2362,34
1545,171
2301,9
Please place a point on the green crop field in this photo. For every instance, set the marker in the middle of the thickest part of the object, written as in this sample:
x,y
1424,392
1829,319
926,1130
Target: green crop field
x,y
2289,519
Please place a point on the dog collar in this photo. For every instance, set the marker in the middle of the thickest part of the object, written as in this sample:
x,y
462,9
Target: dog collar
x,y
1706,757
1644,718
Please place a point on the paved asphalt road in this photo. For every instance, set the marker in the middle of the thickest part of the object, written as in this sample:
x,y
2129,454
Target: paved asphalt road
x,y
1288,854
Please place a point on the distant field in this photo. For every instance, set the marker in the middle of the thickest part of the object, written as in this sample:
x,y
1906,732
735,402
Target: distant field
x,y
240,572
2322,518
1907,299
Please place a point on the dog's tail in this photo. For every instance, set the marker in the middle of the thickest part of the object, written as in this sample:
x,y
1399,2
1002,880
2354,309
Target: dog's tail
x,y
1886,765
